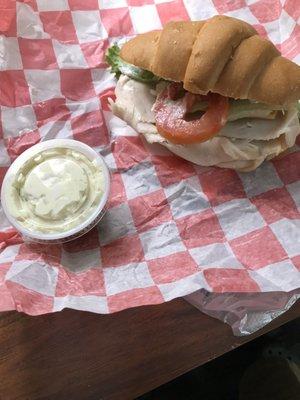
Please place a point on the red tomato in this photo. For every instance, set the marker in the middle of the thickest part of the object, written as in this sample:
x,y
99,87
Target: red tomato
x,y
171,123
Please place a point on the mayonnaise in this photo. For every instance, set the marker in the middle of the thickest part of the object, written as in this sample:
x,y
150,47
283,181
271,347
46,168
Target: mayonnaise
x,y
54,190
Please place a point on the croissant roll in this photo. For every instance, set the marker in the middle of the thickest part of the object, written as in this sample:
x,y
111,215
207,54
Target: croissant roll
x,y
222,55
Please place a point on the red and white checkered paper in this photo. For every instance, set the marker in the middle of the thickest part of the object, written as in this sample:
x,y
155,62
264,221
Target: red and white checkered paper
x,y
171,227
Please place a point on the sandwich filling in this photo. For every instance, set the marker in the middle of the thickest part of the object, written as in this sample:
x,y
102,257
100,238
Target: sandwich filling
x,y
205,129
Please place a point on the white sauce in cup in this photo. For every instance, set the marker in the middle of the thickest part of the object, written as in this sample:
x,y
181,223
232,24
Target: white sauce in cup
x,y
56,190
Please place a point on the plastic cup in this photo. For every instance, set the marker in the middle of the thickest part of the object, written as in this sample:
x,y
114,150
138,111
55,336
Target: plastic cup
x,y
81,228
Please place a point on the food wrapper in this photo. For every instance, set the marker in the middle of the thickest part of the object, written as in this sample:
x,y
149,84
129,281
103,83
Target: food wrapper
x,y
171,228
244,312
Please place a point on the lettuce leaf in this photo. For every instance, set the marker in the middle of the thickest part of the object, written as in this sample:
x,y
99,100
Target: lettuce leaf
x,y
118,67
239,109
247,109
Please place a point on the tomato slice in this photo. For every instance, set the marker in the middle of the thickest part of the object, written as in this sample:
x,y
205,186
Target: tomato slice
x,y
171,121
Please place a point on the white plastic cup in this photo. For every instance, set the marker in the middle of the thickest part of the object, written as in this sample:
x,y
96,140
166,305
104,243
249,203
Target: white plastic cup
x,y
80,229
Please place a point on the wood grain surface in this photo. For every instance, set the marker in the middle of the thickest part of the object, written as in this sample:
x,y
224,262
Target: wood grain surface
x,y
75,355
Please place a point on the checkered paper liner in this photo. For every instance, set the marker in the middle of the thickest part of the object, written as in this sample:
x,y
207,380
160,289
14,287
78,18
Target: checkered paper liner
x,y
171,227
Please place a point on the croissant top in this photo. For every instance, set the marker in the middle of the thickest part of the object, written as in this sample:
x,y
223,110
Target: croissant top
x,y
222,54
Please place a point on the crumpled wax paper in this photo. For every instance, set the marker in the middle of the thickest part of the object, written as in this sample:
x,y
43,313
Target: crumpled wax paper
x,y
244,312
171,228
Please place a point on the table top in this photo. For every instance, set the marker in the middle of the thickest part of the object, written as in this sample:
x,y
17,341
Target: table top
x,y
83,356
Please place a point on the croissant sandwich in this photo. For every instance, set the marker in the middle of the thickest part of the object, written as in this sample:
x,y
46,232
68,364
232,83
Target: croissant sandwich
x,y
213,92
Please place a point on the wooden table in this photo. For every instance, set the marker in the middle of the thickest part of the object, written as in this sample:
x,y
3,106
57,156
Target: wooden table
x,y
74,355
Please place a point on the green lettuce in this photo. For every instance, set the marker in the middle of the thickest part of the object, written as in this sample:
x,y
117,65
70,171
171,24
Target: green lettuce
x,y
239,109
118,67
247,109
